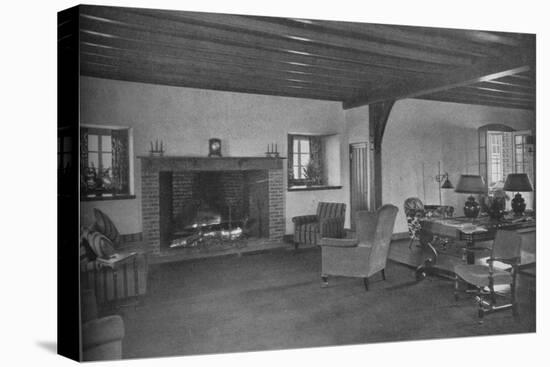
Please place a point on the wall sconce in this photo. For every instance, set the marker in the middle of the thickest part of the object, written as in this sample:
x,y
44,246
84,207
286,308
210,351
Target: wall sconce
x,y
442,177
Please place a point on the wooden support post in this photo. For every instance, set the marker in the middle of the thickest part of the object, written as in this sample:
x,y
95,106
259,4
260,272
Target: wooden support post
x,y
378,118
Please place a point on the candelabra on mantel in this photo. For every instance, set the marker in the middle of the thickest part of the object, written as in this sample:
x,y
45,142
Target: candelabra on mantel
x,y
272,151
156,150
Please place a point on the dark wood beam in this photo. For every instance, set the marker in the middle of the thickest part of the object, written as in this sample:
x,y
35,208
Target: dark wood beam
x,y
506,86
254,25
207,73
489,95
378,118
445,97
401,34
484,37
501,91
419,87
246,70
185,34
186,81
232,65
180,46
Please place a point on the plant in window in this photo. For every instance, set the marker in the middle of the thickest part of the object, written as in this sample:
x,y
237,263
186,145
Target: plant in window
x,y
312,173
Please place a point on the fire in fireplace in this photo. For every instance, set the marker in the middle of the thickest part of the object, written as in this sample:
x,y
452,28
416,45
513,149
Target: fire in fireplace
x,y
190,201
206,208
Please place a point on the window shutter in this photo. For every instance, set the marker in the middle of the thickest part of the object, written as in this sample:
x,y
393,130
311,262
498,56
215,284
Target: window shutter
x,y
119,141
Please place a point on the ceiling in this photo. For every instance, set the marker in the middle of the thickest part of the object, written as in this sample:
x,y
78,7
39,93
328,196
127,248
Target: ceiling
x,y
355,63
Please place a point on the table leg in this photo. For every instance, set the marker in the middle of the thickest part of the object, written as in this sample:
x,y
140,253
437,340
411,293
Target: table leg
x,y
470,256
427,267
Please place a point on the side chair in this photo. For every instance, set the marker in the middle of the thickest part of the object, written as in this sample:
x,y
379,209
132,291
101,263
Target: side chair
x,y
506,250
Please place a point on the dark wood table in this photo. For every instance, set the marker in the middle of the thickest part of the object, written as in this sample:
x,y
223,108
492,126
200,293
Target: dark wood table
x,y
470,231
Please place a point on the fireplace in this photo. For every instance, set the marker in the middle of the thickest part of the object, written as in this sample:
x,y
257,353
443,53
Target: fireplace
x,y
187,198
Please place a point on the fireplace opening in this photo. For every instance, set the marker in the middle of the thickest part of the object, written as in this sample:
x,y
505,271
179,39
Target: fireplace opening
x,y
208,208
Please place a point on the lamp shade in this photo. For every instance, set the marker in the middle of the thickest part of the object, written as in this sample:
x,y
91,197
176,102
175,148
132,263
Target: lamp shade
x,y
447,184
518,182
471,184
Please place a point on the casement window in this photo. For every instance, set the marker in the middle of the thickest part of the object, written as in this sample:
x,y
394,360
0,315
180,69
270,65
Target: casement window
x,y
305,162
313,162
503,150
105,165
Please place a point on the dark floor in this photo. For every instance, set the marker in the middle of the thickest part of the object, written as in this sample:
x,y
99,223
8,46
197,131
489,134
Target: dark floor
x,y
273,300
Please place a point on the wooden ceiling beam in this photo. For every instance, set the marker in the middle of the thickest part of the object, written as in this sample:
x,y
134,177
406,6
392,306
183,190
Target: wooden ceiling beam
x,y
401,34
506,85
500,91
138,27
484,37
477,101
488,95
414,88
253,25
189,82
205,71
227,53
206,66
266,67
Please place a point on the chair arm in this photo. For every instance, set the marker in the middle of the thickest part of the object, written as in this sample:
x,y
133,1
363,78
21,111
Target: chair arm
x,y
510,261
332,227
118,259
101,331
303,219
338,242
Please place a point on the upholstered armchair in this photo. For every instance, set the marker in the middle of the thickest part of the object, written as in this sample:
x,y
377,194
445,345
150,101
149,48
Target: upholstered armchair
x,y
415,211
364,255
327,222
112,275
101,336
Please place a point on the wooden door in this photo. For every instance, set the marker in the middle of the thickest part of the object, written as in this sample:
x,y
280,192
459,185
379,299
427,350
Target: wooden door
x,y
359,179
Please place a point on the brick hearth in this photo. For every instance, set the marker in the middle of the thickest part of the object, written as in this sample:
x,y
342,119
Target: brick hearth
x,y
262,176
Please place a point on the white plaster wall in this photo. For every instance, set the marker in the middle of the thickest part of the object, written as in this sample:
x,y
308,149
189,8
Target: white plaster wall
x,y
421,133
184,119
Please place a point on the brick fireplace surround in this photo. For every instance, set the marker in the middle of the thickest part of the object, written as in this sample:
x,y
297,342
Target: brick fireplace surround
x,y
181,168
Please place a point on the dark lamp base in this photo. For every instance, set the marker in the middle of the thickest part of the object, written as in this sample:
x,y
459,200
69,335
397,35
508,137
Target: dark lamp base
x,y
518,204
471,208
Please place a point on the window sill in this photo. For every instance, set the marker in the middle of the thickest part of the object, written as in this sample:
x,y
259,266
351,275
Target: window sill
x,y
313,188
106,197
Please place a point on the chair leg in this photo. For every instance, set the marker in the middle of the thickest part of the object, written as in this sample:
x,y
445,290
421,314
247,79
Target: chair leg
x,y
457,287
515,312
384,274
324,281
366,282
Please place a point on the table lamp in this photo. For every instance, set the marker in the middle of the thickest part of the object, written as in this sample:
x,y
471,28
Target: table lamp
x,y
471,184
518,182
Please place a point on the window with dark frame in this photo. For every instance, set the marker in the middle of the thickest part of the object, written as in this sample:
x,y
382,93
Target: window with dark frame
x,y
304,160
104,162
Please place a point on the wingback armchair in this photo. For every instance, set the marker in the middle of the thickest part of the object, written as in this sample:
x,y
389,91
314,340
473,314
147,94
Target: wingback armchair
x,y
364,255
327,222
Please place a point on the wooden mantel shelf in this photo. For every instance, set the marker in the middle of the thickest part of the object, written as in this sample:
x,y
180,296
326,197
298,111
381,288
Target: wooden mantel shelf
x,y
179,163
